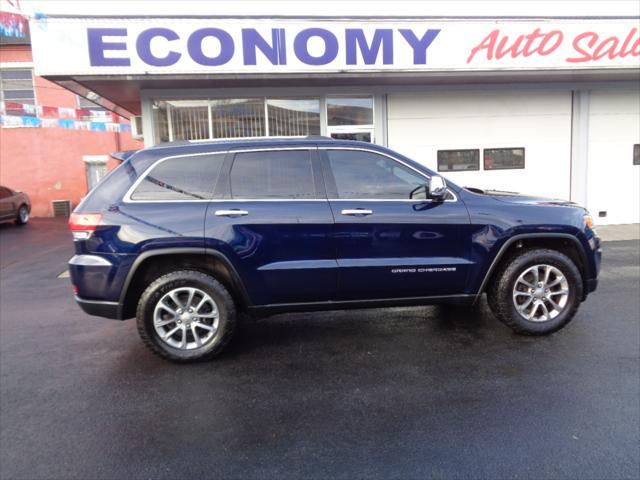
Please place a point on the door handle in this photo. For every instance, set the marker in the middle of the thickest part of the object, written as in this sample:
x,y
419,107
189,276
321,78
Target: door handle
x,y
357,211
231,213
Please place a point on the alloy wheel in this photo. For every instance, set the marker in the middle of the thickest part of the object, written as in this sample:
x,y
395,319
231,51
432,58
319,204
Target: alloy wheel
x,y
186,318
541,293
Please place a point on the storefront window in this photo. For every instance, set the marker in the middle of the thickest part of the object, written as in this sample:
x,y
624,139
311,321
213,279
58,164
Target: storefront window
x,y
189,119
233,118
293,117
202,119
458,160
503,158
349,111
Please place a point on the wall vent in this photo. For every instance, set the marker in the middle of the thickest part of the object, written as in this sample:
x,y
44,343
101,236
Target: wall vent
x,y
61,208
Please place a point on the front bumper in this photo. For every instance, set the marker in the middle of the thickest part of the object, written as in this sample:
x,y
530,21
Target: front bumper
x,y
100,308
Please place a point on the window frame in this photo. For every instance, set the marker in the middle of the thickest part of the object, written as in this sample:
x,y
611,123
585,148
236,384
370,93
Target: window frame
x,y
33,84
319,193
332,190
458,150
214,191
484,160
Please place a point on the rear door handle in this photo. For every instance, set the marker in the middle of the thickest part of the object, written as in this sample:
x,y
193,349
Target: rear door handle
x,y
357,211
234,212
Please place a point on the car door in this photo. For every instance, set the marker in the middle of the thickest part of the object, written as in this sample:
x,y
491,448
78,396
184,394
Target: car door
x,y
6,204
389,245
275,225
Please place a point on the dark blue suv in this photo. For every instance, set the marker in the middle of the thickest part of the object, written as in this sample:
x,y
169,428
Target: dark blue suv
x,y
185,236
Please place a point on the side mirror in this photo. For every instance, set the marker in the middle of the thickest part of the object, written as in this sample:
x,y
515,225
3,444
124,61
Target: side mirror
x,y
437,188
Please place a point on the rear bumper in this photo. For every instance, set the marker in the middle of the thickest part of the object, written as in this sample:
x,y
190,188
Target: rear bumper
x,y
99,308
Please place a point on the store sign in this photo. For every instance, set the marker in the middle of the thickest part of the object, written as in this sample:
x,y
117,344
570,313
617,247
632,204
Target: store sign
x,y
105,46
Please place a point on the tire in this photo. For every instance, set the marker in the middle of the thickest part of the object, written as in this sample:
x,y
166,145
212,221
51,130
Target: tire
x,y
510,288
182,346
22,217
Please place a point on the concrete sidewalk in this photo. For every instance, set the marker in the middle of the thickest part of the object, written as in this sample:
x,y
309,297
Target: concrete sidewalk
x,y
609,233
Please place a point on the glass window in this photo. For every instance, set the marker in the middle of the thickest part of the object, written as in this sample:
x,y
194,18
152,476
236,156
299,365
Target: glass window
x,y
636,154
293,117
160,121
16,85
5,192
273,174
358,136
503,158
183,178
233,118
458,160
189,119
361,174
350,110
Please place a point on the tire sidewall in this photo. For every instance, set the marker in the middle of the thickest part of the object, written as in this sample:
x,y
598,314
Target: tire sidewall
x,y
570,272
19,220
153,294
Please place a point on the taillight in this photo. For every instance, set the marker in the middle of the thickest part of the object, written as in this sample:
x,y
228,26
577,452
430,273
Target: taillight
x,y
83,224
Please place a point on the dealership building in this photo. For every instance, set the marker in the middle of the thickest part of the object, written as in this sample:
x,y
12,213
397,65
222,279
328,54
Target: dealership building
x,y
546,106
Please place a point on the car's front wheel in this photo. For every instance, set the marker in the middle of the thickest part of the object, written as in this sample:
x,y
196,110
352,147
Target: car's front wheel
x,y
22,216
536,292
186,316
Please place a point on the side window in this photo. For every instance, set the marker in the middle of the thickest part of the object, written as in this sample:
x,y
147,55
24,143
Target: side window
x,y
4,193
368,175
273,174
181,178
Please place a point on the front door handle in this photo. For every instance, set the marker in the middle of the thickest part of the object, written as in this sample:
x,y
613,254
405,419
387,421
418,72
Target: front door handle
x,y
234,212
357,211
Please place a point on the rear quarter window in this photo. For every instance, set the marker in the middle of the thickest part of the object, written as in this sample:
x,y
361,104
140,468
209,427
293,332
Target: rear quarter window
x,y
180,178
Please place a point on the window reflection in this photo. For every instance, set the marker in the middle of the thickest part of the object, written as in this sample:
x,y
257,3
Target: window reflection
x,y
350,110
293,117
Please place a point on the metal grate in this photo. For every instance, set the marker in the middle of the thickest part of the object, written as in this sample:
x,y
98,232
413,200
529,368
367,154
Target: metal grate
x,y
61,208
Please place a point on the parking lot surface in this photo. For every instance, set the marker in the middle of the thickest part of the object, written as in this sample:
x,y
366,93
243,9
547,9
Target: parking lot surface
x,y
433,392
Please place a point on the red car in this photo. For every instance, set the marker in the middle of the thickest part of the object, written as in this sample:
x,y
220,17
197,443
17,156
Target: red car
x,y
14,206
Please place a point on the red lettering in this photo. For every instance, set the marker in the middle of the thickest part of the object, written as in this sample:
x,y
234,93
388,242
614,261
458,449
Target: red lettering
x,y
532,37
502,51
635,50
547,38
602,51
488,44
585,56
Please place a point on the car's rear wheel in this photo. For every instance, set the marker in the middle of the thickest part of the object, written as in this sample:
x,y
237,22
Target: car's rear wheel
x,y
22,217
186,316
536,292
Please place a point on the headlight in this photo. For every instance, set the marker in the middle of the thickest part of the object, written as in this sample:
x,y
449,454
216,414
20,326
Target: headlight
x,y
588,222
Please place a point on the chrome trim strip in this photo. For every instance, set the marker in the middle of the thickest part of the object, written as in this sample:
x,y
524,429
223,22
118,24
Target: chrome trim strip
x,y
127,197
89,261
231,213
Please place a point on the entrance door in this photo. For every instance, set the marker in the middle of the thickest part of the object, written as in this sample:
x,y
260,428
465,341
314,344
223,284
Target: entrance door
x,y
96,169
389,245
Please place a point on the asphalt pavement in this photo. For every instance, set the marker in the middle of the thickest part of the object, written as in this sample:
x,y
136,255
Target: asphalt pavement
x,y
429,392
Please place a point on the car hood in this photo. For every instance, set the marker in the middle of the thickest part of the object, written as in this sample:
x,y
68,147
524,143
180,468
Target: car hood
x,y
518,198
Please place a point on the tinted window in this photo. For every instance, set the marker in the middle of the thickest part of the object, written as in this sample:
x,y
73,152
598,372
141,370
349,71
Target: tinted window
x,y
636,154
181,178
458,160
5,192
272,174
503,158
361,174
350,110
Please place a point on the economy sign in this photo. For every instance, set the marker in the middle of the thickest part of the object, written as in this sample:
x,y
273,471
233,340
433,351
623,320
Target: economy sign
x,y
138,46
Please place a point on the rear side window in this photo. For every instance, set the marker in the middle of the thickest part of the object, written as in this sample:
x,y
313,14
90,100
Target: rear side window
x,y
181,178
273,174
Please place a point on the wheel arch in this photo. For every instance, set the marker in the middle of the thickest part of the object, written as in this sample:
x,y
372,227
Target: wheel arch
x,y
562,242
151,265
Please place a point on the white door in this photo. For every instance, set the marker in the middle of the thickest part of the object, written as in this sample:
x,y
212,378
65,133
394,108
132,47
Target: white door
x,y
613,181
529,128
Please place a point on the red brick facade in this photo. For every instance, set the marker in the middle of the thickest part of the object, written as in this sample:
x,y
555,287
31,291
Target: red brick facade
x,y
46,163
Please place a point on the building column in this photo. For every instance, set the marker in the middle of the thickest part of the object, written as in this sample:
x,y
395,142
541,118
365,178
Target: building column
x,y
579,146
